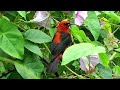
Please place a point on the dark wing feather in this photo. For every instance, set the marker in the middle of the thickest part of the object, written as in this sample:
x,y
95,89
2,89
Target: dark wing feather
x,y
56,49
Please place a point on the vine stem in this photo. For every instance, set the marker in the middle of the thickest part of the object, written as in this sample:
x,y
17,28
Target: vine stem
x,y
113,63
6,60
47,48
46,22
116,30
72,39
5,74
3,59
74,72
112,23
16,18
111,58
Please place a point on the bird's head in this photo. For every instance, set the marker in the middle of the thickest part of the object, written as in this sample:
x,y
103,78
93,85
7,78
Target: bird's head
x,y
64,25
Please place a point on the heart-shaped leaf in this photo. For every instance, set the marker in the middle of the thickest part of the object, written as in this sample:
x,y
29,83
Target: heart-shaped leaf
x,y
80,50
25,72
33,48
22,13
11,40
37,36
92,24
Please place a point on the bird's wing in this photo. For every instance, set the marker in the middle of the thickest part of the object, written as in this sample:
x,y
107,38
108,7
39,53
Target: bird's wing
x,y
57,48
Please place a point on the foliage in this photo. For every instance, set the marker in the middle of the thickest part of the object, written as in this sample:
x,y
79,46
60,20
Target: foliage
x,y
24,43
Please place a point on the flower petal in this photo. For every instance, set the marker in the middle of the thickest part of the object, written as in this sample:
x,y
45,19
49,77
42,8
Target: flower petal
x,y
87,66
83,14
45,23
83,63
80,16
79,20
94,59
43,18
40,16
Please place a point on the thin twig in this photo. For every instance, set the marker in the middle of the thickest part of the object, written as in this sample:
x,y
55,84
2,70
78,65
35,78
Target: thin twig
x,y
47,22
5,74
116,51
3,59
74,72
47,48
44,61
112,24
116,30
112,57
16,18
113,63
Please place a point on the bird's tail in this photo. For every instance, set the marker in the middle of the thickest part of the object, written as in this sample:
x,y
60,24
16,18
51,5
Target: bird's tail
x,y
53,66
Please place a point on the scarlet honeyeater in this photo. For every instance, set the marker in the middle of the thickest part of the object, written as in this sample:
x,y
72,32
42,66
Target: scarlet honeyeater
x,y
60,42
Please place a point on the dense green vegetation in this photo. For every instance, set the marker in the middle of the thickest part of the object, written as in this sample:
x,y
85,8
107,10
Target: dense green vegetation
x,y
24,41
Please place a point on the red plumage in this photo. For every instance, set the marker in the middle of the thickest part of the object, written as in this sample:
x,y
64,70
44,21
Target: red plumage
x,y
60,42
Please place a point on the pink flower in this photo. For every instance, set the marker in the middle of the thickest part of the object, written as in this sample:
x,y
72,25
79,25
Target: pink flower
x,y
42,18
89,66
80,16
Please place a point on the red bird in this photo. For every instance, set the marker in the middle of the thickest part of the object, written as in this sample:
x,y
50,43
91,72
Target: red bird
x,y
60,42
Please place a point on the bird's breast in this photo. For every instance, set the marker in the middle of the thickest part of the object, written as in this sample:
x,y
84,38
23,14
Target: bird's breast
x,y
57,38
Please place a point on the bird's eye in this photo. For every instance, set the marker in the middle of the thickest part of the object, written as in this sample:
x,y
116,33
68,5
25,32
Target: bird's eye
x,y
67,24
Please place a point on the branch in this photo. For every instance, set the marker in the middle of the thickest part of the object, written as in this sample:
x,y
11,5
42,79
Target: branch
x,y
74,72
44,61
5,74
3,59
112,57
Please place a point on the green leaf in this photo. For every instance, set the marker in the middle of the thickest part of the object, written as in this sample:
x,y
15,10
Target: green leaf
x,y
33,48
80,34
104,59
12,41
3,54
107,26
4,17
76,33
112,15
31,68
104,72
85,38
37,36
80,50
118,49
117,55
22,13
108,43
52,32
111,42
116,70
11,13
28,12
76,64
32,62
14,75
93,24
2,68
25,72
